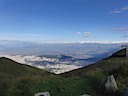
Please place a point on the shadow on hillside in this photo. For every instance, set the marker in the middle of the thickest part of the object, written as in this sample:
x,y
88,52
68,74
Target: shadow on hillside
x,y
121,53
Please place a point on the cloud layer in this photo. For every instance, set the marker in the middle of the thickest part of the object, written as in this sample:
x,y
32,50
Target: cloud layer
x,y
120,10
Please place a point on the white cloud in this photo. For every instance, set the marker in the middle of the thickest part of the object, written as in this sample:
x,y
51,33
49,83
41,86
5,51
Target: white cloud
x,y
120,29
103,42
78,33
116,11
84,34
124,8
87,34
120,10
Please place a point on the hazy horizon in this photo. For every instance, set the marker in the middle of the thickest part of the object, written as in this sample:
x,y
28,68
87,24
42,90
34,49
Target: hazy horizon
x,y
57,57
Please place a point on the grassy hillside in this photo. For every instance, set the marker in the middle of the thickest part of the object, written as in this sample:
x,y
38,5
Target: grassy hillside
x,y
17,79
12,69
108,66
95,74
22,80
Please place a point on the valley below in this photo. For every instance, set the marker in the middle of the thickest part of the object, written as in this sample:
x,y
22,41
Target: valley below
x,y
57,58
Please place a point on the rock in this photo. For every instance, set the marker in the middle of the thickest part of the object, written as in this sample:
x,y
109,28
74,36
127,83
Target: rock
x,y
42,94
110,85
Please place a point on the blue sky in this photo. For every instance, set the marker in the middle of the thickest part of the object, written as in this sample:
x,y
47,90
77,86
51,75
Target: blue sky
x,y
64,20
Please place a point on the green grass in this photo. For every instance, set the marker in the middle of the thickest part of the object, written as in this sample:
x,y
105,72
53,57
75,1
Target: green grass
x,y
22,80
12,69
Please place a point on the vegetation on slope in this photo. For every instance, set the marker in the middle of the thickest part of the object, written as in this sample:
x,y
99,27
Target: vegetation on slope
x,y
12,69
22,80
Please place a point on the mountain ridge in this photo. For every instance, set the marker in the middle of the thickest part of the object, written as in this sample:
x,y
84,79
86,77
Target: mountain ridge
x,y
116,55
10,68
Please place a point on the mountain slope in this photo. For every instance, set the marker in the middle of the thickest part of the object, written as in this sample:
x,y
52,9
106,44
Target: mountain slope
x,y
95,74
21,80
112,63
75,83
11,69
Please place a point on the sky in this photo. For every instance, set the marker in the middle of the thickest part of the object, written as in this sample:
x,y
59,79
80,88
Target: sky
x,y
64,20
